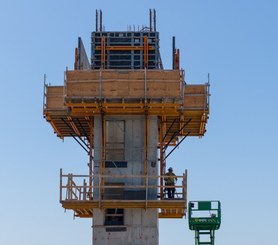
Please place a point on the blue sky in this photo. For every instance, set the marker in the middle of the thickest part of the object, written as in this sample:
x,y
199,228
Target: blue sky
x,y
236,162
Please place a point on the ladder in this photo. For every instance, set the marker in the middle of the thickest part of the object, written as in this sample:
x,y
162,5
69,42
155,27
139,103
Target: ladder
x,y
204,218
204,237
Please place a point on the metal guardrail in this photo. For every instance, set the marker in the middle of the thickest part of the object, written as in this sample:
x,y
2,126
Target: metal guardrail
x,y
124,187
45,85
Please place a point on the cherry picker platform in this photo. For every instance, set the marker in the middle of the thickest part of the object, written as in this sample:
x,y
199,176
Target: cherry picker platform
x,y
204,218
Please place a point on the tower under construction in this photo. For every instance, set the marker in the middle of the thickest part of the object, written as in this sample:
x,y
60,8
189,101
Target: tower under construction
x,y
129,114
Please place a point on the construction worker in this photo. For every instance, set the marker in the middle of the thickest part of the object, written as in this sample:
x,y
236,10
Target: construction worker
x,y
170,181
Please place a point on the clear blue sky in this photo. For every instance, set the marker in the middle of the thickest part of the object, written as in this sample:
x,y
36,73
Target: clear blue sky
x,y
236,162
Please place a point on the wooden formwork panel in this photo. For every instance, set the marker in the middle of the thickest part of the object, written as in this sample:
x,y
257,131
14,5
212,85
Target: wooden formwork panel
x,y
195,96
195,89
164,75
195,102
123,75
55,98
123,89
125,84
82,75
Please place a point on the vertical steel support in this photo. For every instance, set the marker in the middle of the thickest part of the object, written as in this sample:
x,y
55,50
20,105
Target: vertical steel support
x,y
145,88
91,127
61,183
151,20
182,84
196,237
100,88
185,186
161,157
173,52
65,89
103,152
208,92
100,21
103,51
146,149
76,59
212,237
84,190
44,105
146,127
96,20
177,59
146,51
154,20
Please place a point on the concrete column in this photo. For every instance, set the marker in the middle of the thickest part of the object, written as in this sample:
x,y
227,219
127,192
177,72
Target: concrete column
x,y
140,226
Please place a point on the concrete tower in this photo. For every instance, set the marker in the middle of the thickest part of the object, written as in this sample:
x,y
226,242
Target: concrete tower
x,y
125,110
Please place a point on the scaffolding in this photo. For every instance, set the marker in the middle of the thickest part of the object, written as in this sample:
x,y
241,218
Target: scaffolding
x,y
125,78
182,110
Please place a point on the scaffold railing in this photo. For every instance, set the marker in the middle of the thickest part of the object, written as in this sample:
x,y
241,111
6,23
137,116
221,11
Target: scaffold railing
x,y
75,187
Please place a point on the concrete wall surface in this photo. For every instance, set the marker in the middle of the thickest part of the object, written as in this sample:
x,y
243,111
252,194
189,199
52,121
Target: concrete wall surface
x,y
141,228
125,138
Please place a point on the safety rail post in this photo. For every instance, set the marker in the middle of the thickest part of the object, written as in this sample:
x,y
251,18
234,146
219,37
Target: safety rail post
x,y
161,157
44,92
183,83
103,152
70,186
185,186
65,89
80,192
84,189
61,183
91,158
68,192
208,95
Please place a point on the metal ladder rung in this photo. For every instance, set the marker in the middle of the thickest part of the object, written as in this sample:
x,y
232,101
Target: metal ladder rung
x,y
204,232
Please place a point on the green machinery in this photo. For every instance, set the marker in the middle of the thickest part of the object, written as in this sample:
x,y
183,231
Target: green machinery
x,y
204,218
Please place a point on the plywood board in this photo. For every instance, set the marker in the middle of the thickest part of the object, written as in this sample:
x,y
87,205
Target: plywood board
x,y
195,96
54,98
195,102
161,75
124,89
195,89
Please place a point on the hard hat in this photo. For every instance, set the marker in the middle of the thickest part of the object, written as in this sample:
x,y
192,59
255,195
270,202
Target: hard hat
x,y
170,169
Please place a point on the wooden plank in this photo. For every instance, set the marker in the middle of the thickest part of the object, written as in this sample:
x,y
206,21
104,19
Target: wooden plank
x,y
123,89
82,75
195,89
124,74
81,89
195,102
163,89
54,98
163,75
195,96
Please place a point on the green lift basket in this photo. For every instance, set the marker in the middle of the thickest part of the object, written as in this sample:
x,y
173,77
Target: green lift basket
x,y
204,218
